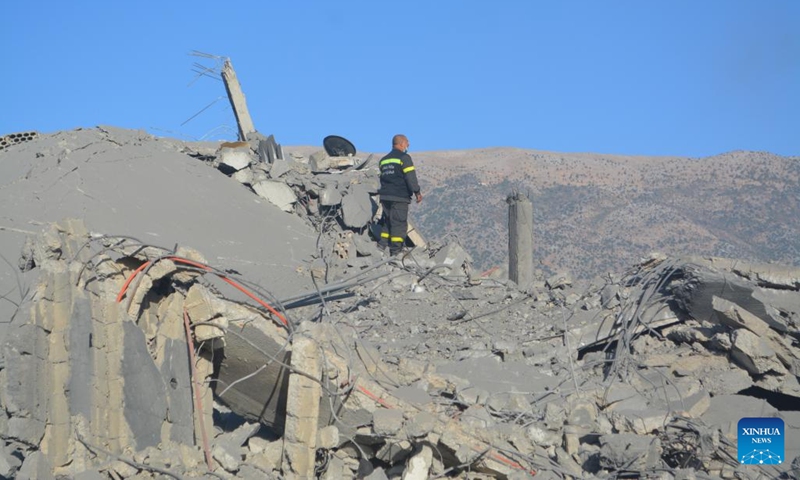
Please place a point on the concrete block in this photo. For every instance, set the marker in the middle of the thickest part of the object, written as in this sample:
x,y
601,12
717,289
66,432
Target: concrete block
x,y
582,412
269,458
244,176
279,167
394,451
618,392
357,207
727,382
365,246
634,452
542,437
202,305
277,193
559,280
453,256
328,437
319,162
257,444
572,441
477,417
8,463
175,373
472,395
572,298
692,406
35,467
387,421
227,458
190,456
419,466
343,162
638,417
753,354
555,414
26,344
421,424
235,158
330,196
336,470
26,430
322,162
145,393
566,462
240,436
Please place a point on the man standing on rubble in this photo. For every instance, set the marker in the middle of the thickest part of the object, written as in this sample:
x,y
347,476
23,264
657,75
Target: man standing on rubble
x,y
398,184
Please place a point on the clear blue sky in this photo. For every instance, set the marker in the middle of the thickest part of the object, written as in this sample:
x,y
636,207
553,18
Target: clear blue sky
x,y
687,77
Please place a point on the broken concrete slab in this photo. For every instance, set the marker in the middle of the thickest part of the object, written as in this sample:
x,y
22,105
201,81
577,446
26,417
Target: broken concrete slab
x,y
321,162
328,437
277,193
419,465
36,467
637,452
244,176
703,281
753,354
330,196
387,421
454,259
279,167
732,315
357,207
9,464
417,328
234,157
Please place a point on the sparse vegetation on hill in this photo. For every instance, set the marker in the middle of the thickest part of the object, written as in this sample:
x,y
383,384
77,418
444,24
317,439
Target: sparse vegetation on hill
x,y
600,213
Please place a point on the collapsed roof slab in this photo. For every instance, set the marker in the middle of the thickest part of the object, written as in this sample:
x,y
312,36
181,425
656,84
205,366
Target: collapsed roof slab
x,y
130,183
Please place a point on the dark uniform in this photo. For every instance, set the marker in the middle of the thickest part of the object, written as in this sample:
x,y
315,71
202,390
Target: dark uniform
x,y
398,183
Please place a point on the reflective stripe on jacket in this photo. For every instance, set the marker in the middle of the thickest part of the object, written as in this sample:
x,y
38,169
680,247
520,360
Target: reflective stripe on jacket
x,y
398,177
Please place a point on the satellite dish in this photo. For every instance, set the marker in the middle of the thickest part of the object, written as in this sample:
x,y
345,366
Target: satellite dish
x,y
336,146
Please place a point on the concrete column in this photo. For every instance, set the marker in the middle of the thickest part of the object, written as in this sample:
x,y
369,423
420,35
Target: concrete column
x,y
302,411
238,103
520,240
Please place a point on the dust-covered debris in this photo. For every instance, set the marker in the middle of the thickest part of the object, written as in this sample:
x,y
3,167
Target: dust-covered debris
x,y
311,353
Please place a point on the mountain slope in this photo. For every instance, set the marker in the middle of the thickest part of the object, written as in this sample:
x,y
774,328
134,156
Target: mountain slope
x,y
598,213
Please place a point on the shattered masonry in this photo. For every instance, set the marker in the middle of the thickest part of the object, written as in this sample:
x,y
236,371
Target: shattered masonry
x,y
406,368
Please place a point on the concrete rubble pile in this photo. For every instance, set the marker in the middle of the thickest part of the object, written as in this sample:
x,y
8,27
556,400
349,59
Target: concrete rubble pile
x,y
123,359
99,364
337,194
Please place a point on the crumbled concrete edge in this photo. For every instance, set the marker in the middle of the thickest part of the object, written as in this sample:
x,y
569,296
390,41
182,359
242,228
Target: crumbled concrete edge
x,y
92,384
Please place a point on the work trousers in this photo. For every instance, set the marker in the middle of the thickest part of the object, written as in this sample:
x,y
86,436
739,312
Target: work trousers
x,y
395,226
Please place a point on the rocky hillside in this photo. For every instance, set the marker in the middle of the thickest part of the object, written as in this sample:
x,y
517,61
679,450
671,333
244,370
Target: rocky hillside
x,y
598,213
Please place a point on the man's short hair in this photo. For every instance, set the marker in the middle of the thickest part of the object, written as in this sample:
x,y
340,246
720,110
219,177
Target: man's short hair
x,y
398,138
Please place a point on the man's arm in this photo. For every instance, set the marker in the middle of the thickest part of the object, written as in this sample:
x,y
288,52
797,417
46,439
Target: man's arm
x,y
410,175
